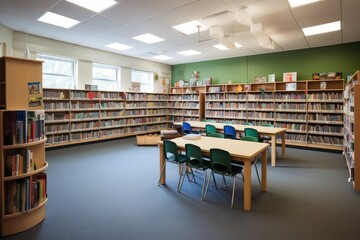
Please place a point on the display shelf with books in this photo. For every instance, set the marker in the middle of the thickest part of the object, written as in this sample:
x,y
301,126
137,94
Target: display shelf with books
x,y
23,166
324,115
351,131
311,114
185,106
23,195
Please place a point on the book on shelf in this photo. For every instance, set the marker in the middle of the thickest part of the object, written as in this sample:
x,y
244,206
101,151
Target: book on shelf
x,y
23,126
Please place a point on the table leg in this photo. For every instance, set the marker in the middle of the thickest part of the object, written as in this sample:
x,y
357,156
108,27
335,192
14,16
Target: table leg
x,y
263,171
247,185
283,145
273,150
162,162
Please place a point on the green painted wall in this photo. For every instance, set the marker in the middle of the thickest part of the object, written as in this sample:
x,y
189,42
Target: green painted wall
x,y
338,58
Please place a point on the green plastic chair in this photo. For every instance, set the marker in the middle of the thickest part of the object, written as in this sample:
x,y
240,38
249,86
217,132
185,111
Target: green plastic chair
x,y
171,154
209,128
220,163
252,132
252,139
194,159
247,123
216,135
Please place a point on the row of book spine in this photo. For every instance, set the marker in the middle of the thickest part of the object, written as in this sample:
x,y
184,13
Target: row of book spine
x,y
23,126
19,163
24,194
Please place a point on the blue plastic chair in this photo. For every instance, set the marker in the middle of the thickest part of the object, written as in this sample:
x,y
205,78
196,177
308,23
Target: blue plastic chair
x,y
229,132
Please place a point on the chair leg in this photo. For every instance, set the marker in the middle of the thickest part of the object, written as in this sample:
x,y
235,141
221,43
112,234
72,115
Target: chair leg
x,y
207,187
257,173
203,185
182,180
233,192
214,180
192,173
162,173
181,174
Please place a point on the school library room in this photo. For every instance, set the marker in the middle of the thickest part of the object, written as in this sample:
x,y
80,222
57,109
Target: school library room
x,y
179,119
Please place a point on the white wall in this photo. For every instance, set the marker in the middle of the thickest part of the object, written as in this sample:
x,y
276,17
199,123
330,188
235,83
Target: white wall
x,y
6,36
86,56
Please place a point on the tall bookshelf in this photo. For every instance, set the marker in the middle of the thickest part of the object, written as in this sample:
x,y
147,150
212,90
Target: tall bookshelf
x,y
77,116
23,194
186,104
311,110
351,134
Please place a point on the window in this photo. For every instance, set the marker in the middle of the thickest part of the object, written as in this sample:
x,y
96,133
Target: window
x,y
58,72
106,77
144,79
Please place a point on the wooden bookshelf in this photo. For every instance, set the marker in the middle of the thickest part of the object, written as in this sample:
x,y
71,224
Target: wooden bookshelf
x,y
78,116
186,104
351,129
22,146
16,71
310,110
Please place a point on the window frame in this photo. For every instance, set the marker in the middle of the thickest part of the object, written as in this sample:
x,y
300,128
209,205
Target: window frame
x,y
150,83
107,66
73,62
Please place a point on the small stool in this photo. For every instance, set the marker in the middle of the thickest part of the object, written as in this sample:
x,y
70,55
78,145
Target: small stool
x,y
168,134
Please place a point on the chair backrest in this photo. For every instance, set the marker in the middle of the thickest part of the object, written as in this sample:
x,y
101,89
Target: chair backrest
x,y
186,128
267,125
209,128
229,132
216,135
251,132
170,150
193,155
220,161
249,138
247,123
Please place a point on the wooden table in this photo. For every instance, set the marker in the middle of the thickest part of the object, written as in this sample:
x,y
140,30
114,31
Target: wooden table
x,y
240,151
268,131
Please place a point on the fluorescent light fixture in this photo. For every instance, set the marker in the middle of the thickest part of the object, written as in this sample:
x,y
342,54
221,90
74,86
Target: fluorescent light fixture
x,y
162,57
297,3
148,38
323,28
189,52
237,45
190,27
94,5
118,46
220,47
58,20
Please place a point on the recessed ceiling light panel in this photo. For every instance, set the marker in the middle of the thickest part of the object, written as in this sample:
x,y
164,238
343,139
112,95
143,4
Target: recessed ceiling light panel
x,y
189,52
58,20
297,3
220,47
190,27
148,38
323,28
118,46
94,5
162,57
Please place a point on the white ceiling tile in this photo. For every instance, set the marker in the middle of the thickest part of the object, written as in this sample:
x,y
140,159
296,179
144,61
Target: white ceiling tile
x,y
319,19
123,14
204,8
317,8
73,11
148,7
325,39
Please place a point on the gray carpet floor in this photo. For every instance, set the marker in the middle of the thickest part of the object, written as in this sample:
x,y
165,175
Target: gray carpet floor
x,y
108,190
